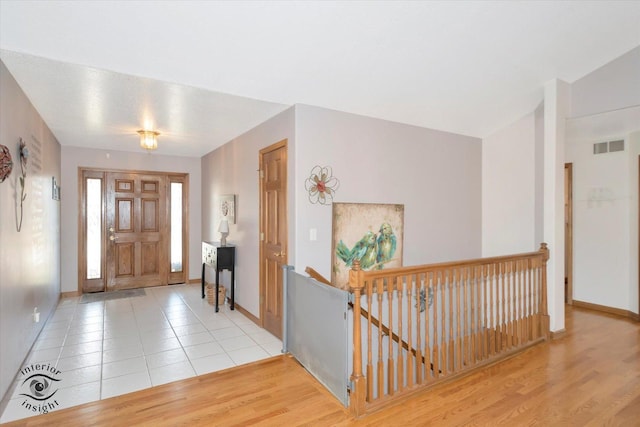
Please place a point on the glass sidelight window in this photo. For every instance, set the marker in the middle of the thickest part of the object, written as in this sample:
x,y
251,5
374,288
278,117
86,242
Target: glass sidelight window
x,y
94,227
176,226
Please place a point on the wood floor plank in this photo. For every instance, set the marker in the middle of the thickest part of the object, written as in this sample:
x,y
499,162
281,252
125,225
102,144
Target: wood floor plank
x,y
590,376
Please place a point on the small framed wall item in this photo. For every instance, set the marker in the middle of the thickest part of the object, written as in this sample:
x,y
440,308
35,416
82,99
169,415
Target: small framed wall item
x,y
55,189
228,207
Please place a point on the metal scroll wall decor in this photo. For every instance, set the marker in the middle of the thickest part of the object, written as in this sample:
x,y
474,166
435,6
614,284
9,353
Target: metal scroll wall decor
x,y
24,155
321,185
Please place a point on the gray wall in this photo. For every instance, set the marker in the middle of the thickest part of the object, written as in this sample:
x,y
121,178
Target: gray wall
x,y
233,169
436,175
30,259
509,189
74,157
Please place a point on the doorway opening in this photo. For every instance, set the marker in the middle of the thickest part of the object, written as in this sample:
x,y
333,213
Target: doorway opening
x,y
133,229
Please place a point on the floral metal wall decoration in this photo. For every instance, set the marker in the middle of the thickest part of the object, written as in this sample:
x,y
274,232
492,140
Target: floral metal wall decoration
x,y
6,163
321,185
24,155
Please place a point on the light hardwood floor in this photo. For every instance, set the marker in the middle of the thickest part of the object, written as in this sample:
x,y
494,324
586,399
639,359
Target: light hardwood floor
x,y
589,377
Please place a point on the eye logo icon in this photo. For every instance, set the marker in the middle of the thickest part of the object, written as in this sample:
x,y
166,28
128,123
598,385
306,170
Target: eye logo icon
x,y
40,387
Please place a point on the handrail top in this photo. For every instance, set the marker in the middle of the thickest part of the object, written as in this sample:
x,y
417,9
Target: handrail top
x,y
373,274
317,276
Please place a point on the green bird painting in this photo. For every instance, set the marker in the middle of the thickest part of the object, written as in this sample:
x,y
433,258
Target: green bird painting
x,y
370,233
372,250
386,243
365,250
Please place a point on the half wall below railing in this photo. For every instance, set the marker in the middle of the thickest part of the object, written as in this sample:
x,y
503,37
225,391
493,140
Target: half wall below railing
x,y
429,323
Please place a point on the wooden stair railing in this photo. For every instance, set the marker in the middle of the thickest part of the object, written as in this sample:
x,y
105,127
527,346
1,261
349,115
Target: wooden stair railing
x,y
364,313
483,310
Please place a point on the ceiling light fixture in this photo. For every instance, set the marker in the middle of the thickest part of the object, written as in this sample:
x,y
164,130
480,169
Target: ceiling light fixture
x,y
148,139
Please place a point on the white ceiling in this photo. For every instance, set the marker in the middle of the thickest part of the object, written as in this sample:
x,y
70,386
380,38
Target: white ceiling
x,y
203,72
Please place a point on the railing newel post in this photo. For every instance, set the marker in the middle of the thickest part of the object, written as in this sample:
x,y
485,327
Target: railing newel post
x,y
358,380
544,322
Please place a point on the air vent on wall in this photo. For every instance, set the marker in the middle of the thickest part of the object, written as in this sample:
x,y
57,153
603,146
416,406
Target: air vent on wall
x,y
616,145
608,146
600,147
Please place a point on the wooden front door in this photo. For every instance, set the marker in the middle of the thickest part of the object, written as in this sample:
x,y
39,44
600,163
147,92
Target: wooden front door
x,y
273,234
136,217
133,229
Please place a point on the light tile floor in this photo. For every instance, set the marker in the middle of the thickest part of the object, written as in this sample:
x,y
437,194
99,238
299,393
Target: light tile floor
x,y
105,349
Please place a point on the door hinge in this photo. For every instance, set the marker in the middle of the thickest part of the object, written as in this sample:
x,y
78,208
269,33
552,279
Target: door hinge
x,y
261,174
262,237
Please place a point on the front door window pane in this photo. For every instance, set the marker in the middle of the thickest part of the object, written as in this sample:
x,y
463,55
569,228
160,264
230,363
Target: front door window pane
x,y
94,228
176,226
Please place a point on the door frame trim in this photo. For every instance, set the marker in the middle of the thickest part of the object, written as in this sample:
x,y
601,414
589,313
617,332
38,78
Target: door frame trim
x,y
262,268
568,238
81,268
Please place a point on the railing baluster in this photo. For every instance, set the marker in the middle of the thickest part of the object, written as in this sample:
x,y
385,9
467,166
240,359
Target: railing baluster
x,y
529,300
516,303
380,382
509,282
473,288
444,362
514,306
492,310
399,288
391,361
532,280
502,307
485,342
428,369
436,346
409,287
457,279
451,344
419,279
466,331
370,383
481,295
536,303
520,303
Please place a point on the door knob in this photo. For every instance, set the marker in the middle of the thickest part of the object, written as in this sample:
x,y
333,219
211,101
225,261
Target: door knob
x,y
279,255
112,238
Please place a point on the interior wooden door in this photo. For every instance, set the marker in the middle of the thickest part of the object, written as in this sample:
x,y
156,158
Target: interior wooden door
x,y
273,227
136,212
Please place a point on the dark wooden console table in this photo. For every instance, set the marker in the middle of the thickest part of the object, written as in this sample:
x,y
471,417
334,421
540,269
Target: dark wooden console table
x,y
219,258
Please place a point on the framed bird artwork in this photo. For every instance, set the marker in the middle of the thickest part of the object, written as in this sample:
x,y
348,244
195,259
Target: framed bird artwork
x,y
369,232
